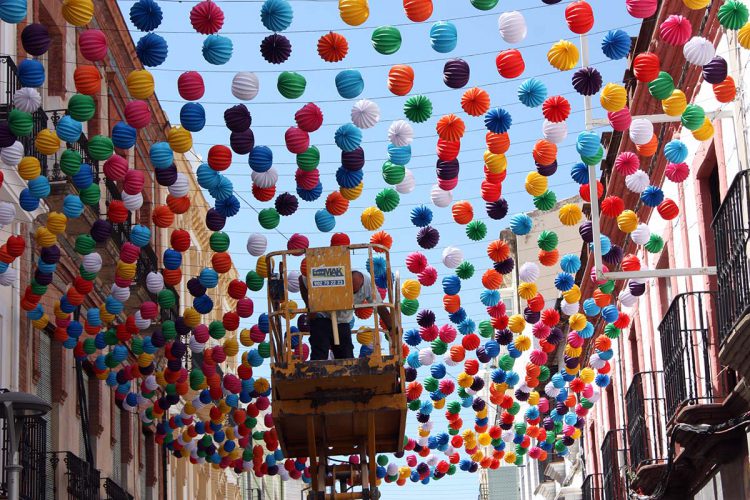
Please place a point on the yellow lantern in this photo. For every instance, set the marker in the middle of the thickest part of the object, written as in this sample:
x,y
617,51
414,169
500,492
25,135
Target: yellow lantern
x,y
47,142
743,36
352,194
439,404
125,270
41,323
56,222
675,104
140,84
261,385
29,168
231,347
45,238
191,317
510,457
180,139
533,398
696,4
464,380
572,352
587,375
614,97
705,131
261,267
516,323
354,12
78,12
411,289
627,221
522,343
577,322
365,337
496,164
372,218
536,184
563,55
245,339
527,291
570,214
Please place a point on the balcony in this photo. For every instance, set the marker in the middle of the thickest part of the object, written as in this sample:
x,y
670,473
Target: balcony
x,y
591,489
82,478
115,492
731,228
613,461
647,444
32,457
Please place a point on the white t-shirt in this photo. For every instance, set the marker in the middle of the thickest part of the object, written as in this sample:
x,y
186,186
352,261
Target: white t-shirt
x,y
363,296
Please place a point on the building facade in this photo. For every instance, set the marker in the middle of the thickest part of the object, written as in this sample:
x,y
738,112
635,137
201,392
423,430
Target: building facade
x,y
673,423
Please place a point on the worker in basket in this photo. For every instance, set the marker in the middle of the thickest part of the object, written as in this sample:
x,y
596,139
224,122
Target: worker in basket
x,y
321,329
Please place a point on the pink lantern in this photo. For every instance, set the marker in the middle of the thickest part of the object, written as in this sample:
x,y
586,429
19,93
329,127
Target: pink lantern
x,y
309,117
641,9
676,30
133,182
93,45
190,85
137,114
620,120
297,140
627,163
206,17
677,172
115,167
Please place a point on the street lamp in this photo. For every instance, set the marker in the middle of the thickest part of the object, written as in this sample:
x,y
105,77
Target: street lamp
x,y
14,408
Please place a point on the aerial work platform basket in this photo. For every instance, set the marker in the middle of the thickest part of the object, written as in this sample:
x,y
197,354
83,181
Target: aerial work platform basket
x,y
342,407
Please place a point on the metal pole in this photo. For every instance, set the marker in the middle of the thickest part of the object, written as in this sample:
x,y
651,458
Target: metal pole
x,y
13,468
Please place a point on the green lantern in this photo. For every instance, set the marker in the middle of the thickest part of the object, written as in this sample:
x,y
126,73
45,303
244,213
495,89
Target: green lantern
x,y
607,287
485,329
88,276
484,4
386,40
70,162
136,345
655,244
309,160
264,349
409,307
418,108
693,117
393,174
100,147
506,362
90,195
85,244
38,289
291,84
431,384
414,404
216,330
465,270
81,107
544,373
196,379
89,346
596,159
169,330
438,347
219,241
166,299
476,230
547,240
733,15
20,123
611,331
269,218
662,86
387,200
545,201
254,281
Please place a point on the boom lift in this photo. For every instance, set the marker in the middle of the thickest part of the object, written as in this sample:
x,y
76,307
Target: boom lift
x,y
324,409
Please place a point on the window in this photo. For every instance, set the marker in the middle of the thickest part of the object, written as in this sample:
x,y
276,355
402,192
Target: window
x,y
55,55
714,191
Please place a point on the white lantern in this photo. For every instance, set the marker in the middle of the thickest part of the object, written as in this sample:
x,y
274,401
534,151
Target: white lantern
x,y
245,86
293,280
27,99
447,361
638,181
122,294
452,257
12,155
132,202
550,390
141,322
512,26
596,396
365,114
440,198
400,133
154,282
267,179
555,132
181,187
529,272
195,346
7,212
392,469
596,362
641,131
641,234
426,357
151,383
283,474
431,460
698,51
508,435
627,299
256,244
569,308
8,277
406,186
92,263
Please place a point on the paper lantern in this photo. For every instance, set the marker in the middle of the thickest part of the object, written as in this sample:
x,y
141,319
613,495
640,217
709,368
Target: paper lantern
x,y
192,117
545,152
400,79
456,73
498,120
443,36
676,30
418,108
276,48
616,44
662,86
510,63
627,221
563,55
587,81
407,185
237,118
715,71
386,40
668,209
648,149
733,15
440,198
693,117
646,66
137,114
620,120
146,15
400,133
13,11
705,131
152,50
725,91
675,104
68,129
450,128
324,221
332,47
418,10
217,49
309,118
570,214
512,27
27,99
641,9
180,139
78,12
123,135
556,109
580,17
206,17
140,83
641,131
743,36
698,51
555,132
475,101
291,85
245,86
34,37
47,142
614,97
31,73
365,114
354,12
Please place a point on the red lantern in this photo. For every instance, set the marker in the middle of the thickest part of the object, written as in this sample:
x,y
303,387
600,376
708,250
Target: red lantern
x,y
231,321
133,182
307,179
332,47
263,194
115,168
641,9
15,246
178,205
189,85
340,239
297,242
180,240
309,117
137,114
418,10
448,150
219,157
585,191
491,191
579,16
510,63
668,209
297,140
237,289
498,144
206,17
162,216
612,206
646,67
556,109
221,262
336,204
630,263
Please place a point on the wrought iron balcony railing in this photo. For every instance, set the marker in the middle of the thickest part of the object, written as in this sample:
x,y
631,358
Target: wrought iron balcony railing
x,y
115,492
592,487
82,477
646,426
731,228
32,453
685,340
613,445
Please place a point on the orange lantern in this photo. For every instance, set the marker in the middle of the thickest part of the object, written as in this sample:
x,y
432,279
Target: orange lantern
x,y
418,10
400,79
450,128
162,216
87,80
725,91
497,143
544,152
648,149
332,47
463,212
475,101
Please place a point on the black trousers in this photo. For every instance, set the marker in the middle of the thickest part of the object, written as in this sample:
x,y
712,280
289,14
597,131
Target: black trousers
x,y
321,340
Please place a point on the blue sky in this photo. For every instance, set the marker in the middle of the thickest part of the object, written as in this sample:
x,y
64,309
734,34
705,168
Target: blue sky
x,y
478,43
